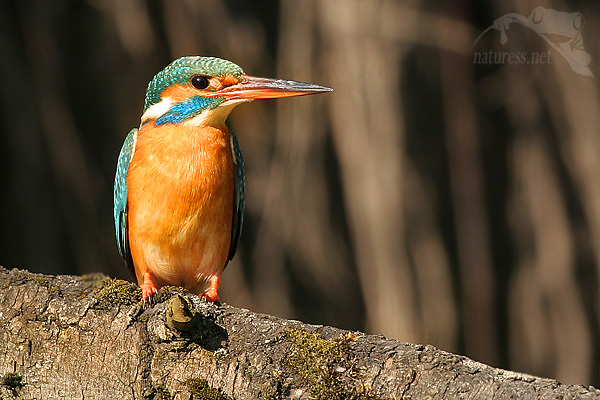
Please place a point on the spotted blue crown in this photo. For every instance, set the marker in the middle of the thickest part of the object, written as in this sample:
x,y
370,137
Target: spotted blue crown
x,y
180,72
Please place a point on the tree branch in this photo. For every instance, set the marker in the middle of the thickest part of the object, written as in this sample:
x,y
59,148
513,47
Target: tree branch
x,y
89,337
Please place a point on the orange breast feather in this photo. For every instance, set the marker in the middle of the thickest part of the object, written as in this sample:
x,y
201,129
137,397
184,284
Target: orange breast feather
x,y
180,195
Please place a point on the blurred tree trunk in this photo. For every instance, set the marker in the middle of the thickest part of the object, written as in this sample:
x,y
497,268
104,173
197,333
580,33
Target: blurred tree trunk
x,y
368,136
71,337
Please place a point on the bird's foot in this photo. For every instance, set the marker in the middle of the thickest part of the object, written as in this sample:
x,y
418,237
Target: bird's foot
x,y
148,289
212,293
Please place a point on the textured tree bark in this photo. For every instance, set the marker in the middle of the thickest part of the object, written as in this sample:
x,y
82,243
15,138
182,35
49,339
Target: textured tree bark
x,y
67,337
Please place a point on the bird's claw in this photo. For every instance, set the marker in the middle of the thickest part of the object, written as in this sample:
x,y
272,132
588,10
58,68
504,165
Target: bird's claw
x,y
211,295
148,290
148,301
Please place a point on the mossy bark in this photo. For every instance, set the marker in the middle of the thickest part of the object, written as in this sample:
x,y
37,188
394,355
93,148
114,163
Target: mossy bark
x,y
89,337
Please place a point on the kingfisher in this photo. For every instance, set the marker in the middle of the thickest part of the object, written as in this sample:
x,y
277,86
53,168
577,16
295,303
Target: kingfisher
x,y
179,191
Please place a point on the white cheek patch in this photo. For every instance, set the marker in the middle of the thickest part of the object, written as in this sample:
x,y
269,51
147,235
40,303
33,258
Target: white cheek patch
x,y
211,117
157,110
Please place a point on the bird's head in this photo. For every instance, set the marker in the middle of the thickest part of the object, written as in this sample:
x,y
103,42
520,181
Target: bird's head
x,y
204,90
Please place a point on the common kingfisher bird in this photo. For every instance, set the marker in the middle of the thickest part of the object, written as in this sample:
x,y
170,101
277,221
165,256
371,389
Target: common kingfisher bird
x,y
179,187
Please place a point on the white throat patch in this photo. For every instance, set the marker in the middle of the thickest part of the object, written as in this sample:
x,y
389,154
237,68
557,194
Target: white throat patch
x,y
216,116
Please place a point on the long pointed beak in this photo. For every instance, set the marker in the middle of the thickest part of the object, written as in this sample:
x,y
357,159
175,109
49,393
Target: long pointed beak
x,y
251,87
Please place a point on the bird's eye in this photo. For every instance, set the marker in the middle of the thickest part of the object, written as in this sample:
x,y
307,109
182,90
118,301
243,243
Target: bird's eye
x,y
199,81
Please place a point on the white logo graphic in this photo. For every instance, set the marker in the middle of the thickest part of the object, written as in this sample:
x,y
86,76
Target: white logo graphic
x,y
561,30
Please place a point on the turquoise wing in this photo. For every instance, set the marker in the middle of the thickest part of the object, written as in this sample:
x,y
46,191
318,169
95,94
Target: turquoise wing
x,y
120,196
239,193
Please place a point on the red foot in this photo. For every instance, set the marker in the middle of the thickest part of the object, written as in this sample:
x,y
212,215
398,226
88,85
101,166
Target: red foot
x,y
148,288
212,293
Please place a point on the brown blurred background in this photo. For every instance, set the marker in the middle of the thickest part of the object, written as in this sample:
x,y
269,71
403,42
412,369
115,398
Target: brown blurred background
x,y
430,198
